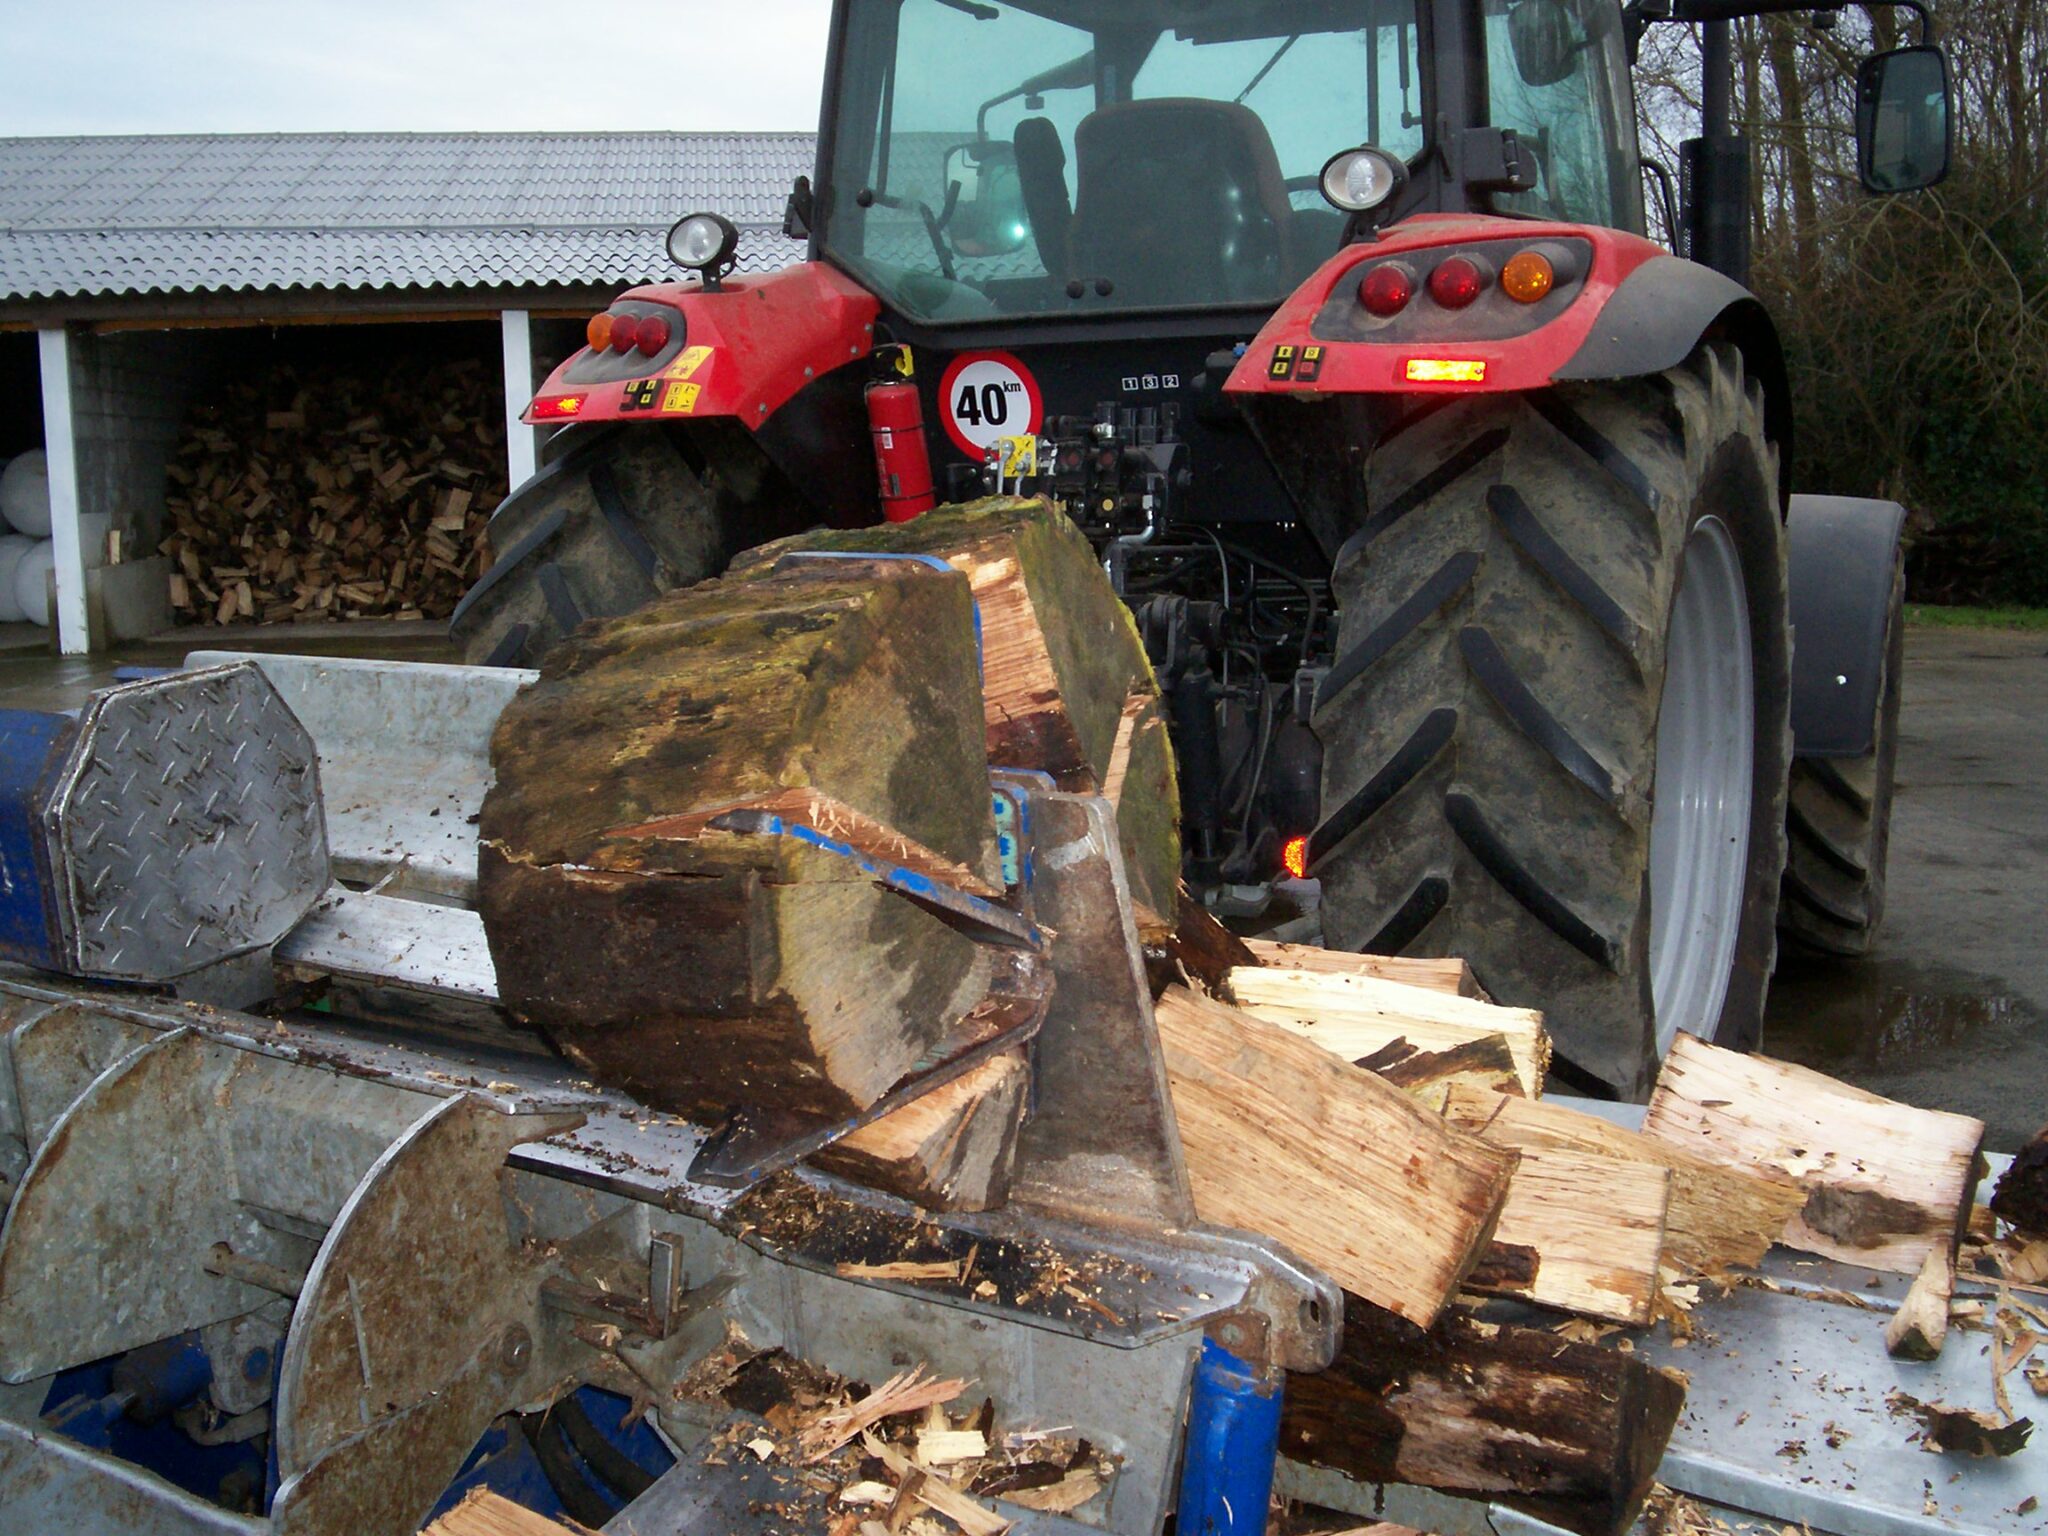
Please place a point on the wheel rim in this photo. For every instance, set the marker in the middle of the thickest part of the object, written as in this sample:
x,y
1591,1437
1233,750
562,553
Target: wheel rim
x,y
1699,823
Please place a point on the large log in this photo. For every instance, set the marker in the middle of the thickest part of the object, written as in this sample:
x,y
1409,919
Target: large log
x,y
1719,1218
1355,1015
1883,1181
951,1150
1067,687
1570,1433
706,969
1282,1138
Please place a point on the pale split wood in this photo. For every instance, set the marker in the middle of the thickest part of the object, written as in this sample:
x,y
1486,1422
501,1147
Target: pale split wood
x,y
1120,753
930,1486
909,1391
1355,1015
952,1149
484,1513
1920,1327
1719,1218
824,815
1597,1229
1355,1177
1883,1181
1452,975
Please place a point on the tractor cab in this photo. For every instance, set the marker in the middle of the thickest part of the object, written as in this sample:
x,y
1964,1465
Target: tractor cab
x,y
1066,160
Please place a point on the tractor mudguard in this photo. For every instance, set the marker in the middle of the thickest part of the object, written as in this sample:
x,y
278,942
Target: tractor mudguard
x,y
743,351
1633,310
1842,551
784,356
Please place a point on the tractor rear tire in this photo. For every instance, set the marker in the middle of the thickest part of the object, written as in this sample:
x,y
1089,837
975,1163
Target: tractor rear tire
x,y
1838,820
620,516
1491,725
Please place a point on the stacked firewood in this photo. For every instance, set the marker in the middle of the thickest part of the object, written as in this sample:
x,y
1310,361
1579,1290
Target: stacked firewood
x,y
299,497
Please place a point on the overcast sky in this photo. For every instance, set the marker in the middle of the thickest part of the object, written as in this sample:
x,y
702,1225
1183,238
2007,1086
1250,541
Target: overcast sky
x,y
240,66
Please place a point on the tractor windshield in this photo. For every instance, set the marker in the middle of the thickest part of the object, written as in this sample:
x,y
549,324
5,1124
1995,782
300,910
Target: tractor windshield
x,y
1069,157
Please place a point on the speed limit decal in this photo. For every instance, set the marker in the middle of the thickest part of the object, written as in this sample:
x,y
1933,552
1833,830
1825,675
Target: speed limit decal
x,y
985,396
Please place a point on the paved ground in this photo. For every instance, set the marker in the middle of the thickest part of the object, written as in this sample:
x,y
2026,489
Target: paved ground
x,y
1951,1008
1950,1011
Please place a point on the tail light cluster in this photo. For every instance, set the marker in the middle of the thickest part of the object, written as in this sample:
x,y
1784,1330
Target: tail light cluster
x,y
1458,281
622,333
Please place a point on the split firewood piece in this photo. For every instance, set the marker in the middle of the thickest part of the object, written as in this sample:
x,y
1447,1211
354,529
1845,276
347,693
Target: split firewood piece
x,y
951,1150
484,1513
1282,1138
1884,1182
1719,1218
1920,1327
910,1391
1594,1229
1066,680
1355,1015
1571,1433
704,966
929,1486
1487,1064
1199,950
1453,976
2021,1194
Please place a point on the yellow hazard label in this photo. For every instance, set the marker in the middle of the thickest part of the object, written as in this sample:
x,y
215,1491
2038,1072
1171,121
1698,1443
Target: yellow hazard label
x,y
1020,455
687,362
680,399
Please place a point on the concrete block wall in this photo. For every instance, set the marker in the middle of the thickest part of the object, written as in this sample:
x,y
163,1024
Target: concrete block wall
x,y
130,391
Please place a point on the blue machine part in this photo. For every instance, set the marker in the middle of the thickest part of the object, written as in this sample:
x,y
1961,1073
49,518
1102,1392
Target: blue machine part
x,y
32,744
1226,1475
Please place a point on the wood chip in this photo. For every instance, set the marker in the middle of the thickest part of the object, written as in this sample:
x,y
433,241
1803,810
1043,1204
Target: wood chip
x,y
906,1392
965,1511
904,1269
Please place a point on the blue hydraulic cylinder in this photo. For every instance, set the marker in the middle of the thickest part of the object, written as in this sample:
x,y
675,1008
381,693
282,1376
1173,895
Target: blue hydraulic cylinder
x,y
1226,1474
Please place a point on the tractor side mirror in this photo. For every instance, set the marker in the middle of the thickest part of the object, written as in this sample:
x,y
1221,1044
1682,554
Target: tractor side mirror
x,y
1903,109
989,218
1545,39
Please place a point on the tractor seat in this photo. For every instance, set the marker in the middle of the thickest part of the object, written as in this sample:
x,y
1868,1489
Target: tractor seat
x,y
1179,201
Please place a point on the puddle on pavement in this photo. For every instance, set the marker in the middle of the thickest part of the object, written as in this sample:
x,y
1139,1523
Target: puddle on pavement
x,y
1835,1013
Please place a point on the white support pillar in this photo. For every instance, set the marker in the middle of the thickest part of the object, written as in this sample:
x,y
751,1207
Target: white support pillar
x,y
61,445
522,443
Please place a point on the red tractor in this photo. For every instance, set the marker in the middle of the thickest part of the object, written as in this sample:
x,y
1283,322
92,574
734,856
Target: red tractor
x,y
1455,511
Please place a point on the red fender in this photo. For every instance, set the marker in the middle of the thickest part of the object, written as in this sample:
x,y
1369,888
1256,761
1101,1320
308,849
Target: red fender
x,y
1366,366
747,349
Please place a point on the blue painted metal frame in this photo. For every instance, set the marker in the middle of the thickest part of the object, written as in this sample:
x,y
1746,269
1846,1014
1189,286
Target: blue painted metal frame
x,y
32,746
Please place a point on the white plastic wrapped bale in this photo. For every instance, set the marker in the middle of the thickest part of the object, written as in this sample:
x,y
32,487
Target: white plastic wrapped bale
x,y
12,547
31,589
25,494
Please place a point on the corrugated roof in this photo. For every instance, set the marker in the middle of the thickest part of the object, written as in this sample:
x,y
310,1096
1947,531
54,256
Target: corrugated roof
x,y
240,212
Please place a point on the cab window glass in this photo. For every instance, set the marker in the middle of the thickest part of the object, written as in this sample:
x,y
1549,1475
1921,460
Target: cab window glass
x,y
1557,75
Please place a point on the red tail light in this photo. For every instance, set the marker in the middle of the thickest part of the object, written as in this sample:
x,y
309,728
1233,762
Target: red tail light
x,y
653,334
625,333
1456,282
1386,289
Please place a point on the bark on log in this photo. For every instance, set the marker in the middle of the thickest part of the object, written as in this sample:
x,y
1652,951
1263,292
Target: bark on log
x,y
707,969
2021,1194
1067,687
1282,1138
1883,1181
1570,1433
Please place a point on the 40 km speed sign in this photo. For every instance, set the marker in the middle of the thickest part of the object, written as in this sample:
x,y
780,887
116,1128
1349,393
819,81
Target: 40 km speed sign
x,y
987,395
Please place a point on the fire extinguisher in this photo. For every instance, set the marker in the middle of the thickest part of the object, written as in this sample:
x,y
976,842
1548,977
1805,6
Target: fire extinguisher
x,y
903,461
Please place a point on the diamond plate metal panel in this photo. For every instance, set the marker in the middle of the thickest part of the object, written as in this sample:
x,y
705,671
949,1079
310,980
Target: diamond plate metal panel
x,y
187,825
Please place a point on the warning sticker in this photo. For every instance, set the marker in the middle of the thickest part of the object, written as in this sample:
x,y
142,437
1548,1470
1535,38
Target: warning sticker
x,y
681,399
687,362
985,397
